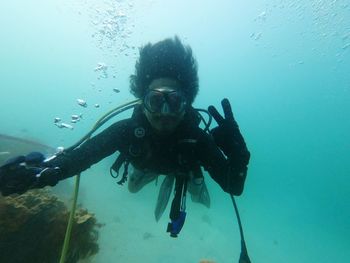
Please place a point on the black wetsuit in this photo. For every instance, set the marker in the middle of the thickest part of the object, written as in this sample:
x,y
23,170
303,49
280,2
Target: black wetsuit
x,y
187,147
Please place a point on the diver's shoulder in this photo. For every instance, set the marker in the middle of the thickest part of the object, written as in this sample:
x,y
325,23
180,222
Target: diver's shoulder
x,y
122,125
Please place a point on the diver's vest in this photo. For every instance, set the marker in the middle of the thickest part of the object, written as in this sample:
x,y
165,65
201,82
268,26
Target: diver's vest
x,y
137,150
187,164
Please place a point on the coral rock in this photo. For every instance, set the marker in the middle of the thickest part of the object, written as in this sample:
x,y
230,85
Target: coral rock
x,y
33,225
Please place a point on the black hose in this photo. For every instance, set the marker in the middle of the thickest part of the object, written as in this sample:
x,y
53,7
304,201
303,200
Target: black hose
x,y
244,258
210,118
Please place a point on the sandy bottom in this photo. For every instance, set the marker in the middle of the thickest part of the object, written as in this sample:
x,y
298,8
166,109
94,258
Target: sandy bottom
x,y
131,234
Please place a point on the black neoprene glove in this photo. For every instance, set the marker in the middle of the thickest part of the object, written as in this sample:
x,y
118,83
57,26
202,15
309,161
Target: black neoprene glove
x,y
229,139
228,136
22,173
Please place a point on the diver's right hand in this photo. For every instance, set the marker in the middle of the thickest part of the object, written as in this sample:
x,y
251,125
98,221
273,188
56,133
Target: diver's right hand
x,y
22,173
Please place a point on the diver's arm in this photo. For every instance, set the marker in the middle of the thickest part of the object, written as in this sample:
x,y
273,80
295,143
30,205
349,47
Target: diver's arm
x,y
229,140
229,172
90,152
21,173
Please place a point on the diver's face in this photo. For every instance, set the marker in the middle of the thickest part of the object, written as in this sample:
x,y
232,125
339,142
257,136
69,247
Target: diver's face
x,y
164,105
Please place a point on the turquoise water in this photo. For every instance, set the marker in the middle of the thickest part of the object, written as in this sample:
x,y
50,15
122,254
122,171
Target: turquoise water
x,y
283,64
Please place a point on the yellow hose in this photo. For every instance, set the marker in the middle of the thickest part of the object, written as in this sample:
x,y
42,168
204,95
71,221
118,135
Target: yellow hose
x,y
70,221
77,182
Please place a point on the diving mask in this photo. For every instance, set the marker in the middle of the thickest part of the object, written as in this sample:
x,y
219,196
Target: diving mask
x,y
165,101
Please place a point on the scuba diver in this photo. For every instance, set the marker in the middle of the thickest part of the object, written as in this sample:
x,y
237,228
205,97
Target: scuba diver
x,y
162,137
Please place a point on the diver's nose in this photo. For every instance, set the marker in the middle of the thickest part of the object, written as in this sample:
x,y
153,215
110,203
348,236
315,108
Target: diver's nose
x,y
165,108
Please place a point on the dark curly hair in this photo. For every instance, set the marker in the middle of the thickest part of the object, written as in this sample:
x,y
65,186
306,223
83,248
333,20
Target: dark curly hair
x,y
165,59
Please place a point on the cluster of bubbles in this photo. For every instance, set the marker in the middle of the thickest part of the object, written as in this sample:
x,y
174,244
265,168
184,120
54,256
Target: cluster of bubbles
x,y
327,21
75,118
102,70
331,18
113,25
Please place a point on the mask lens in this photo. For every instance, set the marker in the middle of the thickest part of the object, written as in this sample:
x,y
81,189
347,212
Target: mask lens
x,y
175,101
154,101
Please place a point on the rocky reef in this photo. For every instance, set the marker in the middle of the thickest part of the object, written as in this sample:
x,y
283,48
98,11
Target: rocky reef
x,y
33,225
